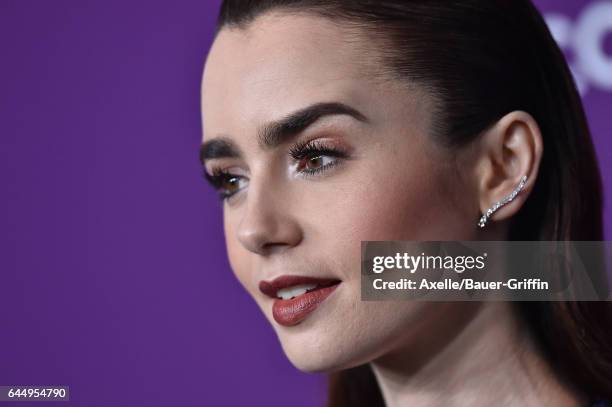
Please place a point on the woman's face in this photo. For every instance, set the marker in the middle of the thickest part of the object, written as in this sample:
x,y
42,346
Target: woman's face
x,y
358,164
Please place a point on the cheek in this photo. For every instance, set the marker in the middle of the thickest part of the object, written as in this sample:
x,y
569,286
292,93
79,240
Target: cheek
x,y
410,203
397,204
405,209
239,258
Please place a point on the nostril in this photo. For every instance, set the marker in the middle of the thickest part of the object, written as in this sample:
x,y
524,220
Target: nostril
x,y
271,248
267,228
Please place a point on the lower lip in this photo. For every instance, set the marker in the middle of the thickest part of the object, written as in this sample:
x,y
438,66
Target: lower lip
x,y
292,312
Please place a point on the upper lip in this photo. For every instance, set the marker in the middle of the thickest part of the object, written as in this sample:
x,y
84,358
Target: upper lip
x,y
270,288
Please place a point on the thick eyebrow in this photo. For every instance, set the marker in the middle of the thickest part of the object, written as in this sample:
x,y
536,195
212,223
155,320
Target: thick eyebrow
x,y
275,133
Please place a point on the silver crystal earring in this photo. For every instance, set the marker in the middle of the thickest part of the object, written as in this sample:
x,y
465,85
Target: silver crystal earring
x,y
483,220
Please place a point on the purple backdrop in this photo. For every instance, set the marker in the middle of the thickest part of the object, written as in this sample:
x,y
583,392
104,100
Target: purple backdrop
x,y
113,275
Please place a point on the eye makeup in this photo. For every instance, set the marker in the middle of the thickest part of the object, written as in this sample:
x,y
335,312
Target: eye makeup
x,y
311,158
316,156
224,182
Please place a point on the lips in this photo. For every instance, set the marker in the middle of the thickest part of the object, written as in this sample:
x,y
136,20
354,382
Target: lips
x,y
302,296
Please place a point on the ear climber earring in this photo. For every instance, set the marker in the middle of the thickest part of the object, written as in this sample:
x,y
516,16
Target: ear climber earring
x,y
483,220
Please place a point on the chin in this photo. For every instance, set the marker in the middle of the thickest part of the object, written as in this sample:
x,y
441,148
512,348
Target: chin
x,y
315,356
341,333
323,345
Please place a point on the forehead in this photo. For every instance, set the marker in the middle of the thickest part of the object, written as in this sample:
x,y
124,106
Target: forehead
x,y
280,63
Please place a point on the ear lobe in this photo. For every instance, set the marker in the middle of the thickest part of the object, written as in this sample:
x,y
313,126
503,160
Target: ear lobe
x,y
497,205
507,165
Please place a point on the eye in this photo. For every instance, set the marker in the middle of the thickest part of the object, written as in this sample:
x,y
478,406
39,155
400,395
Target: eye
x,y
226,183
314,157
315,164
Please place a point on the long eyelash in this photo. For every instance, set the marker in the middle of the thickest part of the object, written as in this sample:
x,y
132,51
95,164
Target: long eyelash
x,y
299,151
303,149
315,171
314,149
216,179
217,176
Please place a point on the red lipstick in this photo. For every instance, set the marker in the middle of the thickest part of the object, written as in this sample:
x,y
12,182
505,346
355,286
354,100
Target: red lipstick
x,y
293,311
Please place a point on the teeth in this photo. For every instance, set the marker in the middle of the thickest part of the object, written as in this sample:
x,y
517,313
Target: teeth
x,y
290,292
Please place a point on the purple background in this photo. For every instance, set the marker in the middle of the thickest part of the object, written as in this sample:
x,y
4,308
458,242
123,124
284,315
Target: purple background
x,y
113,270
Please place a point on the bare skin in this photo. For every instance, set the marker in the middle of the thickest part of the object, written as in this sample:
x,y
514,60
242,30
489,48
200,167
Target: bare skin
x,y
392,183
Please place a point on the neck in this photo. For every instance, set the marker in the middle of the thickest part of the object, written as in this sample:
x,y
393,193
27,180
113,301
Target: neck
x,y
488,361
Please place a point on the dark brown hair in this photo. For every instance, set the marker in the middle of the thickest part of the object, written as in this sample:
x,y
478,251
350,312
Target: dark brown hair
x,y
479,60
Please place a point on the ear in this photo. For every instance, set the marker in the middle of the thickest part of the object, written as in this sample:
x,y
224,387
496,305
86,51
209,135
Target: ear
x,y
508,150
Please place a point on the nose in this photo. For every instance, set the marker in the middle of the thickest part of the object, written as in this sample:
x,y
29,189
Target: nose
x,y
267,225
